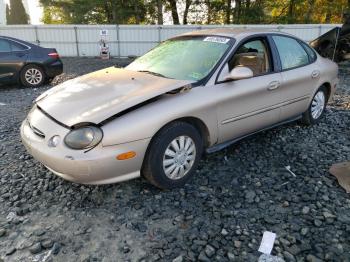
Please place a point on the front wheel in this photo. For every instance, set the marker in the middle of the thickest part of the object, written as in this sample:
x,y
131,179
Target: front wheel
x,y
316,108
173,155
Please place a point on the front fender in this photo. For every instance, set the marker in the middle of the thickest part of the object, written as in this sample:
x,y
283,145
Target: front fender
x,y
144,122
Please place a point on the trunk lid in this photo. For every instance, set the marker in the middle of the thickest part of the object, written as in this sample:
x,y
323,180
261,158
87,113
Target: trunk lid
x,y
334,44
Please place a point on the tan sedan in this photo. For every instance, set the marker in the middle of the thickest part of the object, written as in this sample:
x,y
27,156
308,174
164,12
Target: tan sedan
x,y
197,92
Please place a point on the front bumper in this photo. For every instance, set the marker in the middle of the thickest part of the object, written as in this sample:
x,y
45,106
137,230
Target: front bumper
x,y
97,166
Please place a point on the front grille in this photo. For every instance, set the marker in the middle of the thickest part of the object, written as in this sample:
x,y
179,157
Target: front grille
x,y
36,131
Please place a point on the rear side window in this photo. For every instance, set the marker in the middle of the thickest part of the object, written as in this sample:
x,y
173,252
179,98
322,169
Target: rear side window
x,y
10,46
292,54
17,47
5,46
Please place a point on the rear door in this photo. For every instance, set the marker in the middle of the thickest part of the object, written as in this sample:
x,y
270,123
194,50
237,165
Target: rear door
x,y
13,56
300,75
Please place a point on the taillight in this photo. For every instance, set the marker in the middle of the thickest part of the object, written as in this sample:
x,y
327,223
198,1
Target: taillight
x,y
54,55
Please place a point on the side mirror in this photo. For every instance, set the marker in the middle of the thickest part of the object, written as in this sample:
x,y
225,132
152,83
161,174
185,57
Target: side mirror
x,y
240,72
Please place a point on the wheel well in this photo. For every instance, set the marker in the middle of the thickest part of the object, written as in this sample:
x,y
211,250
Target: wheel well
x,y
328,88
200,126
196,122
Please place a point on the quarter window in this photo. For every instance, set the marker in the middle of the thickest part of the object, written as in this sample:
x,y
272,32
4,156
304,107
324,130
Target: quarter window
x,y
254,55
17,47
292,54
310,52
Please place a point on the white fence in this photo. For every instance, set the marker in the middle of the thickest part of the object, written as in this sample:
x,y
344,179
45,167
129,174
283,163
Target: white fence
x,y
128,40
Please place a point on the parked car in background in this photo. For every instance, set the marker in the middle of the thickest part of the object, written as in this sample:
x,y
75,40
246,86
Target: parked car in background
x,y
199,91
27,64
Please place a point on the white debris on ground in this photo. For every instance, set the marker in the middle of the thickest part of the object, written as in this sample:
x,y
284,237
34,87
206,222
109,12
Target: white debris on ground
x,y
269,258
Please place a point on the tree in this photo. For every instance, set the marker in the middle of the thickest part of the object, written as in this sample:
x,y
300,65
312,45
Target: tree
x,y
193,11
291,11
94,11
8,15
209,11
160,12
310,9
187,8
228,12
174,12
16,14
237,11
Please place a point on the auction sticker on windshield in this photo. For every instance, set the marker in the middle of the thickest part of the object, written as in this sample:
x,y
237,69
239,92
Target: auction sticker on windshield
x,y
215,39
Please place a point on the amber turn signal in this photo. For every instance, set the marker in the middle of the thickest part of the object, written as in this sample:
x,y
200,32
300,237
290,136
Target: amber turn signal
x,y
126,155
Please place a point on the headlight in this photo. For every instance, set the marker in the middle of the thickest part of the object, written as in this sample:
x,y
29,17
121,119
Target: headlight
x,y
83,137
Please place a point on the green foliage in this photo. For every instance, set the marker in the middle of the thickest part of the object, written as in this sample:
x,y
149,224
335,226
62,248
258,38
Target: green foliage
x,y
16,14
193,11
307,11
93,11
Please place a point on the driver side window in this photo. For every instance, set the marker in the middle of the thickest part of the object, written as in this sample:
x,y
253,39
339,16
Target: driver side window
x,y
254,55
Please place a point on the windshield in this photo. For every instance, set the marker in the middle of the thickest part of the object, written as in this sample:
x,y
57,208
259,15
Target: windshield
x,y
186,58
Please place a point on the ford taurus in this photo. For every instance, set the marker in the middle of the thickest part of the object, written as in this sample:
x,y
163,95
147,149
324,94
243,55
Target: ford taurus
x,y
197,92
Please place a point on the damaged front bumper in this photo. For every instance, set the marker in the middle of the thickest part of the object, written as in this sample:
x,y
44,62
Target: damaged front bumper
x,y
97,166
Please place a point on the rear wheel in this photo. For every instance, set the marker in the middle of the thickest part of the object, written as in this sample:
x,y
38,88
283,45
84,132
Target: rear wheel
x,y
316,108
173,156
32,76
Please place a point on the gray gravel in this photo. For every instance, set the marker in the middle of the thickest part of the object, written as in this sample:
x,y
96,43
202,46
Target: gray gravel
x,y
220,215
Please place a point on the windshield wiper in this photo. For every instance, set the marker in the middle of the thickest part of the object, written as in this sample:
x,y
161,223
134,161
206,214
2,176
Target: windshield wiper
x,y
152,73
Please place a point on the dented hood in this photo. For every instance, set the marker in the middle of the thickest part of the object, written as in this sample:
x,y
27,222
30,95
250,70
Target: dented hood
x,y
99,95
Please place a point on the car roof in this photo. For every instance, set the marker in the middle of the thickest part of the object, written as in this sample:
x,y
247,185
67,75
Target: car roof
x,y
17,40
233,32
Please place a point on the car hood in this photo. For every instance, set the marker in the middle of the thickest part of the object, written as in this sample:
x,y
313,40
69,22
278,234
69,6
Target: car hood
x,y
99,95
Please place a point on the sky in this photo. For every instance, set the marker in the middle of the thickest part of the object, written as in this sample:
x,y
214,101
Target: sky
x,y
33,9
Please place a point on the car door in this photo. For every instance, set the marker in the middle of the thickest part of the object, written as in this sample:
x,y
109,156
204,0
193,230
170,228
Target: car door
x,y
12,57
300,75
248,105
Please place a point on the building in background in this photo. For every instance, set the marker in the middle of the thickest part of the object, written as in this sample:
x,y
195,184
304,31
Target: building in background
x,y
2,12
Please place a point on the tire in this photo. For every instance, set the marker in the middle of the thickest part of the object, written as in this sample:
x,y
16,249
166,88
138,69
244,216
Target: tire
x,y
311,117
32,76
154,168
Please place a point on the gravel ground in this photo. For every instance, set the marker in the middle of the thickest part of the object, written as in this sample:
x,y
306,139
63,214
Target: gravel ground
x,y
236,195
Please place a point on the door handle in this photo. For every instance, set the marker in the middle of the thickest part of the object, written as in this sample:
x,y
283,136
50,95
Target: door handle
x,y
315,74
273,85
